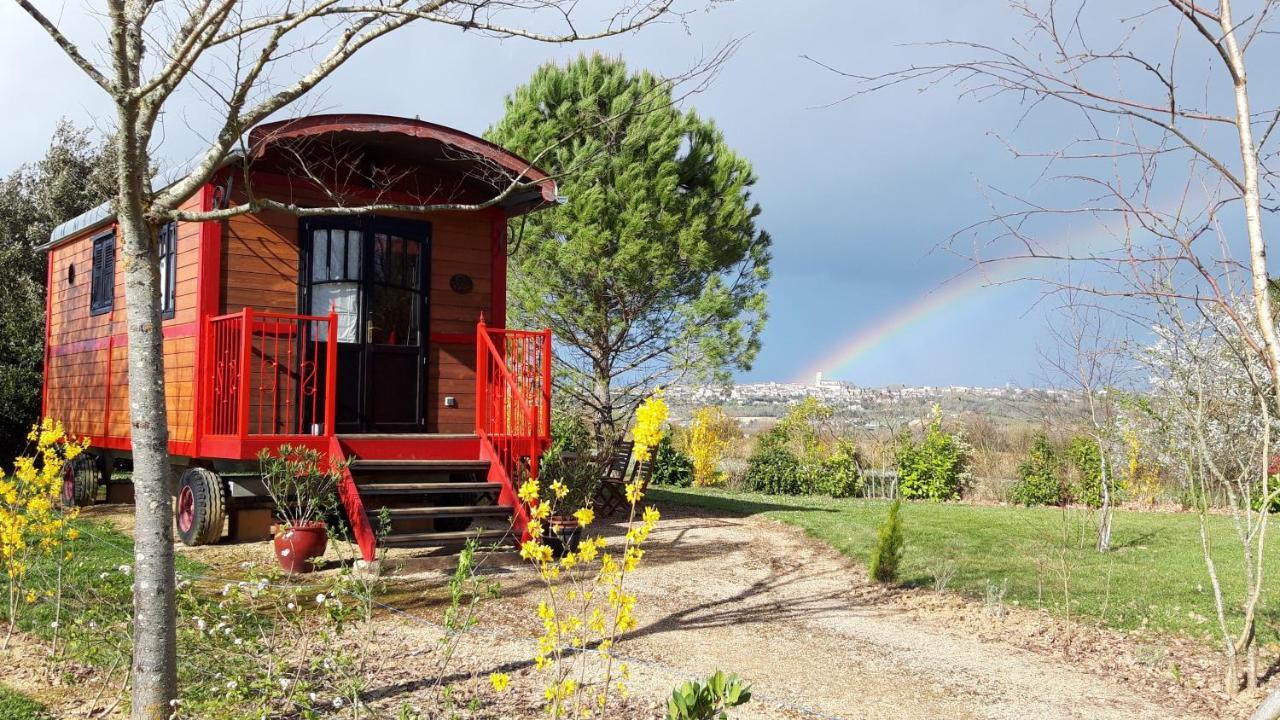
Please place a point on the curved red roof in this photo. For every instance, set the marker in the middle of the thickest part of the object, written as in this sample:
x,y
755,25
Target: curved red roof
x,y
408,130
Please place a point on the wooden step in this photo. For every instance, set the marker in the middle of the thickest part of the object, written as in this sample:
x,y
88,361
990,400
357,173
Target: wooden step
x,y
423,465
416,488
430,539
416,513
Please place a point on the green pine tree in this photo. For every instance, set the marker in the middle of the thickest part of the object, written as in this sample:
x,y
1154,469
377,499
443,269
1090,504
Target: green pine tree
x,y
654,270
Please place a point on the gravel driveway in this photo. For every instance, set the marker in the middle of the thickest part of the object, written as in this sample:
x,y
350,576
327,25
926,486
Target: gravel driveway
x,y
799,621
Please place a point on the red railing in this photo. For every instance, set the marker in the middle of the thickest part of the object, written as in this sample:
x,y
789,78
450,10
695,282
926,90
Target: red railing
x,y
263,374
513,407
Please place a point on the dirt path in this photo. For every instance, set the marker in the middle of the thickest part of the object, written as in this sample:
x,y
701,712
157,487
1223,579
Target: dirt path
x,y
755,597
789,614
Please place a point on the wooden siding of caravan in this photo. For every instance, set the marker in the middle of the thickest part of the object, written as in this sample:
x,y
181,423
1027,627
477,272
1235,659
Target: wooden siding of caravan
x,y
260,270
86,381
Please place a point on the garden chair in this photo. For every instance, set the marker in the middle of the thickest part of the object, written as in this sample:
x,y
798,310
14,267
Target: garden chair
x,y
612,493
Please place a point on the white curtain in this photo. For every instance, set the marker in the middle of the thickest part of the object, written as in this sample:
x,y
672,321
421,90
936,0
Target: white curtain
x,y
345,299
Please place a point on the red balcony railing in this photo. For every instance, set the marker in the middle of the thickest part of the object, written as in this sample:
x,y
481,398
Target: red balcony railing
x,y
513,406
270,374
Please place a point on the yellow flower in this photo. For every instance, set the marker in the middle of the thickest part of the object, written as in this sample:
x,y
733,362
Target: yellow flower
x,y
651,416
585,516
651,515
529,491
532,550
559,489
499,680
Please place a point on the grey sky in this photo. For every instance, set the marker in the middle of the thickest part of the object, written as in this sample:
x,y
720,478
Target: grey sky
x,y
856,196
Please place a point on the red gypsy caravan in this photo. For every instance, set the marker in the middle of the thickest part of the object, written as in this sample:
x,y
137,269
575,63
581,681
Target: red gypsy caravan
x,y
378,338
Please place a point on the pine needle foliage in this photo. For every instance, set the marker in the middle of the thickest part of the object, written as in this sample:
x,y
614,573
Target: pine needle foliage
x,y
653,271
886,556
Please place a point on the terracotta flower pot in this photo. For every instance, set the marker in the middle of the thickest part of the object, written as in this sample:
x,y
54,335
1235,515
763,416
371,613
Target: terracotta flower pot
x,y
296,546
564,536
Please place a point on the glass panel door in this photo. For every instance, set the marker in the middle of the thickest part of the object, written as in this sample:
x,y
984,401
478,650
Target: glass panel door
x,y
394,337
335,280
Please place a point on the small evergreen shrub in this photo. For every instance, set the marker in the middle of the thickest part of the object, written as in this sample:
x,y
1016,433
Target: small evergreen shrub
x,y
887,554
1039,480
936,468
670,466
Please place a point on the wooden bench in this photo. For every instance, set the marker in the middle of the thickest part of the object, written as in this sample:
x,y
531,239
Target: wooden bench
x,y
612,495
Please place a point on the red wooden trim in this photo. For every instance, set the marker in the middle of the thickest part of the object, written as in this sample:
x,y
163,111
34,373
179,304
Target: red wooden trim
x,y
181,330
208,295
112,442
263,136
48,333
331,376
349,494
498,269
246,370
482,371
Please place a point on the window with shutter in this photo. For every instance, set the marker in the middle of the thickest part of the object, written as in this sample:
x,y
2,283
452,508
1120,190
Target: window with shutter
x,y
168,251
102,288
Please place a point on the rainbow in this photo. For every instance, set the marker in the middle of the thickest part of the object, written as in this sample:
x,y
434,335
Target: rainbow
x,y
938,299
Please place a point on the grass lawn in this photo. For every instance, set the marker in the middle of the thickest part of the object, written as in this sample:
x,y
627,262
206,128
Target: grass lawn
x,y
16,706
1154,577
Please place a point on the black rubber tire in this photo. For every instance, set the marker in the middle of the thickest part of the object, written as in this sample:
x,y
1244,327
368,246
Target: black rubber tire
x,y
208,510
80,480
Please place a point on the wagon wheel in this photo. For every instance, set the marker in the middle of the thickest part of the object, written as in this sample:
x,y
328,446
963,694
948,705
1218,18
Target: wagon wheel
x,y
80,478
201,507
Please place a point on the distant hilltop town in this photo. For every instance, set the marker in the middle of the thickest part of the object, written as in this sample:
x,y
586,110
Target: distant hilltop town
x,y
872,405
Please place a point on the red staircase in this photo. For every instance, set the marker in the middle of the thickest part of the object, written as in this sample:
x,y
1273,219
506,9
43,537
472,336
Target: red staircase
x,y
438,491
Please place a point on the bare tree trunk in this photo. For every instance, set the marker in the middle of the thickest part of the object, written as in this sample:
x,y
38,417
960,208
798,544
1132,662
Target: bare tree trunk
x,y
607,434
1104,522
1250,194
155,663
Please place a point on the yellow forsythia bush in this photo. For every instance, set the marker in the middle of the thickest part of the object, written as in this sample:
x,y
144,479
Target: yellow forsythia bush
x,y
31,522
707,443
651,423
586,604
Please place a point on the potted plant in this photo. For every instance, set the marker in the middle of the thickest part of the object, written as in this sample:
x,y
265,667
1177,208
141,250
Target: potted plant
x,y
572,475
302,483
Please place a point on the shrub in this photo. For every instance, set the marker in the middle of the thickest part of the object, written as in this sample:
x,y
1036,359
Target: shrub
x,y
569,461
670,466
840,475
773,468
707,699
1084,455
1039,482
888,550
934,469
709,433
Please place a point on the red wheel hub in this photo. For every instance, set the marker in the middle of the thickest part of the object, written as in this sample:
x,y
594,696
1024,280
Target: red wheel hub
x,y
186,509
69,485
